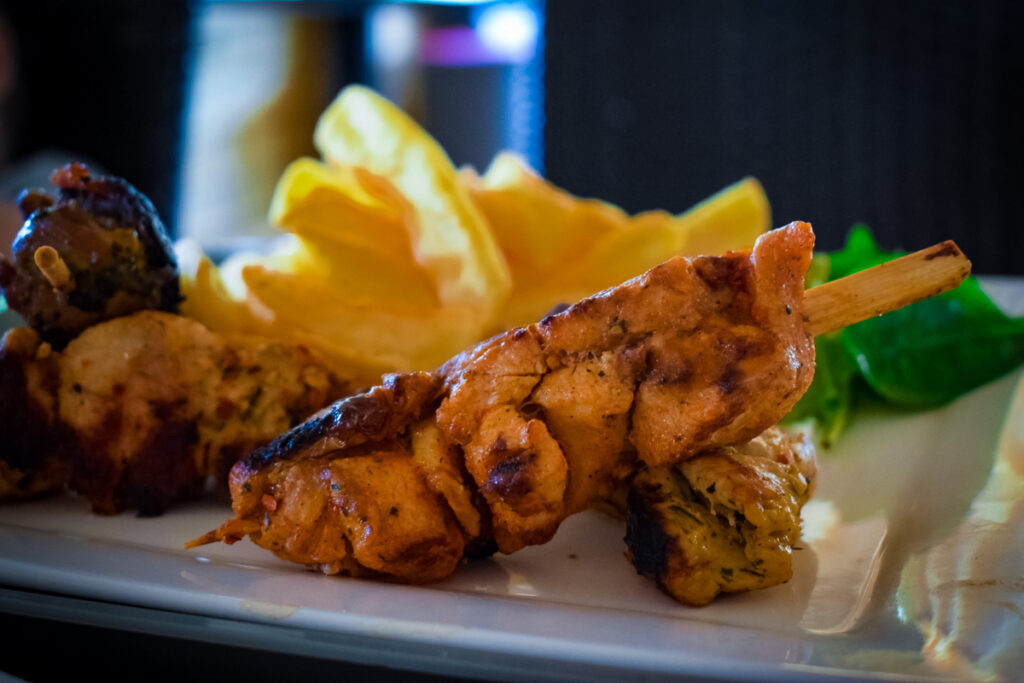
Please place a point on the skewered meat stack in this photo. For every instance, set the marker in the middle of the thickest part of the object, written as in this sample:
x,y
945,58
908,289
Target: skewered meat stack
x,y
667,373
108,390
670,382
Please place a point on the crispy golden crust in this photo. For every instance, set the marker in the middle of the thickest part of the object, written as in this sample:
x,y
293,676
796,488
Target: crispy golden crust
x,y
543,421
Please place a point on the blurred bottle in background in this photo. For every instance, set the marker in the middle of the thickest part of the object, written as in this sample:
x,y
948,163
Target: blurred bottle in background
x,y
470,73
202,104
260,74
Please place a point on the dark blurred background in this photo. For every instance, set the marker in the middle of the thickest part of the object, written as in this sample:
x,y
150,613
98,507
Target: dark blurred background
x,y
902,114
905,114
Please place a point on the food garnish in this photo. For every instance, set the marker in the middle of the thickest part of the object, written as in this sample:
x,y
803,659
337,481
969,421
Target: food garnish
x,y
921,356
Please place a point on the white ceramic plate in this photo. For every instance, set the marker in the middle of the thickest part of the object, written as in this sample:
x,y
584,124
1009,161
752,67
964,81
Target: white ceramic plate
x,y
910,570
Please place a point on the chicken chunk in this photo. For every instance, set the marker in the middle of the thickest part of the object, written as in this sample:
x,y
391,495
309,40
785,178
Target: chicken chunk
x,y
724,521
140,411
344,493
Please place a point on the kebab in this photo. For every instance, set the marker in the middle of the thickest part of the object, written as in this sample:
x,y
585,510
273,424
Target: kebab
x,y
497,447
141,471
108,390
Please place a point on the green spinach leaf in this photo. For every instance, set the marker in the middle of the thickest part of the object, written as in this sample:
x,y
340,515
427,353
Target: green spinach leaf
x,y
920,356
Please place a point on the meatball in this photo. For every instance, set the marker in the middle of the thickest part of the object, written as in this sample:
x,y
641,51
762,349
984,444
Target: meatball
x,y
96,251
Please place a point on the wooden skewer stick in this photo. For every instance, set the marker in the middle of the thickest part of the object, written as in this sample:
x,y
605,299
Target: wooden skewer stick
x,y
54,269
886,287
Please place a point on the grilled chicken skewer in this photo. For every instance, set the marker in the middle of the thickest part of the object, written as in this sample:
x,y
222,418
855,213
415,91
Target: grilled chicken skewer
x,y
727,519
501,444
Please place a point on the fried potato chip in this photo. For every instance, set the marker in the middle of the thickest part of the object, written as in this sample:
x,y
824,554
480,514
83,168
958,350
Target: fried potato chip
x,y
561,248
394,261
206,297
732,218
361,334
330,204
535,223
449,237
351,229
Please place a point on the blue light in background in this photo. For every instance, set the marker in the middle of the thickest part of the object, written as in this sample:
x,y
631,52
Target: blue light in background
x,y
508,29
523,26
473,77
394,34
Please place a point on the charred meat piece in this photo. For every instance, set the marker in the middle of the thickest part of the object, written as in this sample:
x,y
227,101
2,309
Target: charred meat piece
x,y
344,493
96,251
142,410
723,521
509,438
33,457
